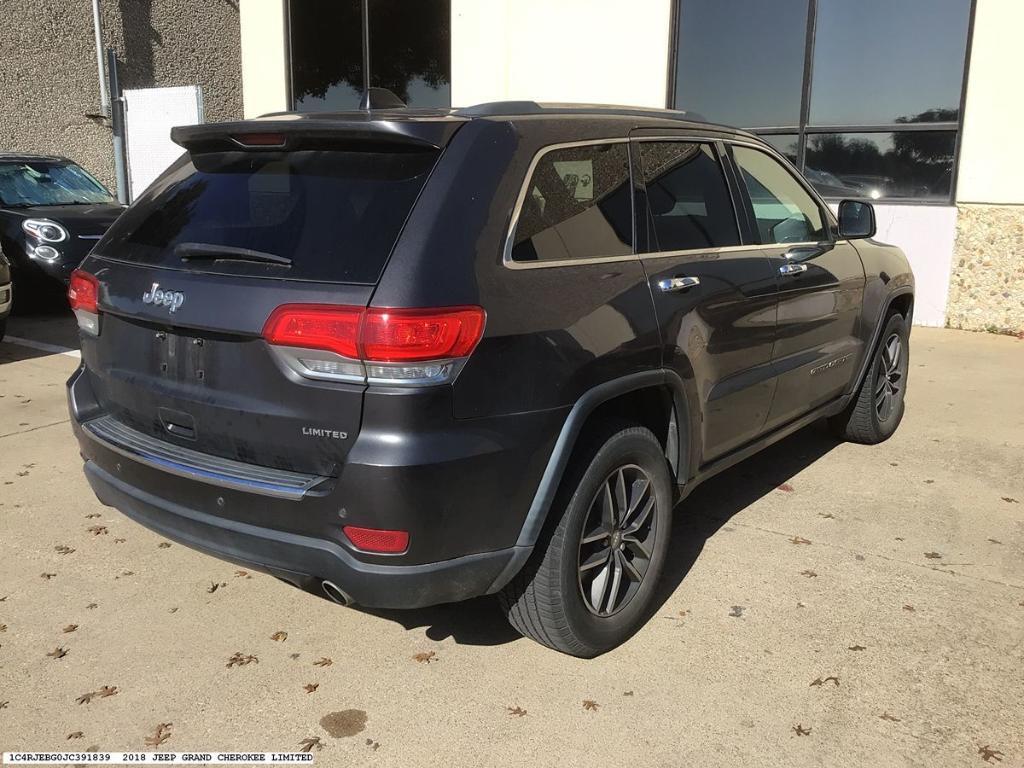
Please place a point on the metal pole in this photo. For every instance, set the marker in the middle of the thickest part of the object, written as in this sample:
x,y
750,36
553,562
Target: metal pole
x,y
98,30
117,125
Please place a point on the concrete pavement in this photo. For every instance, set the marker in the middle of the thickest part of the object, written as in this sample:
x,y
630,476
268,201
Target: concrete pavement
x,y
827,604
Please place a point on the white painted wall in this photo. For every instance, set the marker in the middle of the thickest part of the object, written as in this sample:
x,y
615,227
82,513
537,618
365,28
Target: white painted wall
x,y
991,163
596,51
264,56
926,233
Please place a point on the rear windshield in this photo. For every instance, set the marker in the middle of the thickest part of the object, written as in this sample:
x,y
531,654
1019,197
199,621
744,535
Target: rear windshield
x,y
334,215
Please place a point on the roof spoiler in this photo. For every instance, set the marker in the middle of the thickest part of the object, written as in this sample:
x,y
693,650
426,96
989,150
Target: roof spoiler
x,y
295,132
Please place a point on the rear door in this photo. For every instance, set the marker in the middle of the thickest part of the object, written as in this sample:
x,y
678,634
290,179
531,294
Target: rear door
x,y
190,274
714,296
821,285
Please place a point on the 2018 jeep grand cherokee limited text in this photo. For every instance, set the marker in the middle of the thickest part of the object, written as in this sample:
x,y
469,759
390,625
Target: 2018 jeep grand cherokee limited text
x,y
408,357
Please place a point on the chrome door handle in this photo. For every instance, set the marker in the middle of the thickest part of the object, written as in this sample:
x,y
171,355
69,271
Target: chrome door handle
x,y
792,269
678,283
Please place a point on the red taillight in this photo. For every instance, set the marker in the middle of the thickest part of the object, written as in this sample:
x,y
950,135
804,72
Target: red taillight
x,y
378,335
83,291
312,326
376,540
412,335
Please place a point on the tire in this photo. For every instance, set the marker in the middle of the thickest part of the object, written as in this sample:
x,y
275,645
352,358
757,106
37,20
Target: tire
x,y
872,417
546,600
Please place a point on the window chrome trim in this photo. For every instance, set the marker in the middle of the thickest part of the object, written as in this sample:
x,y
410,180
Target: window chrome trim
x,y
506,256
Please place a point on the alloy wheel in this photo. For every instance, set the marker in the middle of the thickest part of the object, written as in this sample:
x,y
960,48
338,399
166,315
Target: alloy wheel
x,y
617,540
889,385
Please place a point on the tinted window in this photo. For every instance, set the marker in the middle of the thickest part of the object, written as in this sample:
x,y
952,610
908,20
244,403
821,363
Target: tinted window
x,y
336,215
577,206
784,211
687,196
916,164
886,61
410,50
741,62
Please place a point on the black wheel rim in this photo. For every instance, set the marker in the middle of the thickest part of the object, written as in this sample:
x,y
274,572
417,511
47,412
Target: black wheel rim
x,y
617,541
889,384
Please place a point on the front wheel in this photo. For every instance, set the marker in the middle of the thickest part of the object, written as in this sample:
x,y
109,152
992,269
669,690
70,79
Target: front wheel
x,y
877,409
591,581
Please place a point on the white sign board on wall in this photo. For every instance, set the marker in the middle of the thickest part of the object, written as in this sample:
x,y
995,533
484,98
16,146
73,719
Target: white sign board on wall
x,y
150,113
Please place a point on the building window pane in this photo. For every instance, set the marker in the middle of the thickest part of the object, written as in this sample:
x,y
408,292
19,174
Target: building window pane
x,y
878,62
410,50
788,145
687,197
326,53
785,212
741,62
916,164
578,206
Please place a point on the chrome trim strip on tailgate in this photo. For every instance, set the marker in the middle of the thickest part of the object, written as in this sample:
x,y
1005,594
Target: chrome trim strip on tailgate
x,y
195,465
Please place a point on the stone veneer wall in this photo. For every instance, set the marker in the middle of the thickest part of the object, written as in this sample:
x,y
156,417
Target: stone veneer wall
x,y
986,291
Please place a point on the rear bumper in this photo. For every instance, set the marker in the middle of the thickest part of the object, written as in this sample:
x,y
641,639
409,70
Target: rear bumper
x,y
307,561
463,524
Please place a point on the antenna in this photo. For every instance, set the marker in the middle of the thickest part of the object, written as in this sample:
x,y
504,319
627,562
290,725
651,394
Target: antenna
x,y
380,98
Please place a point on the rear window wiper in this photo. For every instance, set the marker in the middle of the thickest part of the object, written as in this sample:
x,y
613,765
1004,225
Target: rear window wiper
x,y
210,252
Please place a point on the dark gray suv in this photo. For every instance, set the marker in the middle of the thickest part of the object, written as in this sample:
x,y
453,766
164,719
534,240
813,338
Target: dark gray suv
x,y
407,357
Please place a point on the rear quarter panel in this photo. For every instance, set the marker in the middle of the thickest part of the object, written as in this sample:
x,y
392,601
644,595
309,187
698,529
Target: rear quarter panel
x,y
552,333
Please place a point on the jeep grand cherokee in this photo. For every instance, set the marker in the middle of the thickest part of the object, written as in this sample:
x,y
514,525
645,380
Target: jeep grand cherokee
x,y
409,357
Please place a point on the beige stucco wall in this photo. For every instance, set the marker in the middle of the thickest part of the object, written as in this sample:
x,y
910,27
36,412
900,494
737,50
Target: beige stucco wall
x,y
48,79
600,51
264,56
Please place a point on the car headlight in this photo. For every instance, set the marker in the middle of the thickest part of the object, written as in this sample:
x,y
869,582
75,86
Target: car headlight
x,y
45,252
47,230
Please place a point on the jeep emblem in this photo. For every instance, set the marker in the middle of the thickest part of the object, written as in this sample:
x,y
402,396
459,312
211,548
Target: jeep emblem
x,y
156,297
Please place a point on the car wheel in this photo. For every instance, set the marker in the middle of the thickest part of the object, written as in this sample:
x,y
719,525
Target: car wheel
x,y
878,407
591,580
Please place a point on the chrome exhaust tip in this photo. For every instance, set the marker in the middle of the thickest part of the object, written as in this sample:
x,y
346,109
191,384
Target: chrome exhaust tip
x,y
335,593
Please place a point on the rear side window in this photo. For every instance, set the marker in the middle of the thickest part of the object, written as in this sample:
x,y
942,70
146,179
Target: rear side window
x,y
687,197
784,211
577,206
334,214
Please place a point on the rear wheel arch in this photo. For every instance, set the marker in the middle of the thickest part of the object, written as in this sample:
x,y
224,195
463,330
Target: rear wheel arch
x,y
656,399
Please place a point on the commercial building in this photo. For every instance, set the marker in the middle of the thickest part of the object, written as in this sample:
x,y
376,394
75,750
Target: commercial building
x,y
907,102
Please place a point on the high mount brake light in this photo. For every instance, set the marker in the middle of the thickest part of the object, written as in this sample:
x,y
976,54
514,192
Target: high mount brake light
x,y
83,296
259,139
402,346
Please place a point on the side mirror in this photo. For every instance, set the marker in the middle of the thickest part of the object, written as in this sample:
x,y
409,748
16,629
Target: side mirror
x,y
856,220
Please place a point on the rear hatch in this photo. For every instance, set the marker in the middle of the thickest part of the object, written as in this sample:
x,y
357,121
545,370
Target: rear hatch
x,y
255,216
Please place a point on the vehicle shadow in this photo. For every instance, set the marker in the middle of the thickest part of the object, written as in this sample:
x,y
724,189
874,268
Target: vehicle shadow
x,y
697,518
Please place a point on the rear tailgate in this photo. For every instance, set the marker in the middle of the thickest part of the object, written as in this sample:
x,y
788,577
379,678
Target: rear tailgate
x,y
203,378
180,355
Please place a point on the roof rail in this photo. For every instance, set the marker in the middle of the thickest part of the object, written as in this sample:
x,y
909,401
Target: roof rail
x,y
503,108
